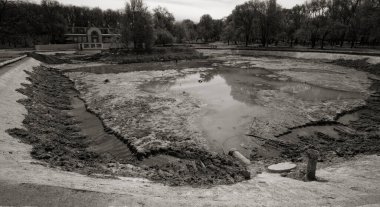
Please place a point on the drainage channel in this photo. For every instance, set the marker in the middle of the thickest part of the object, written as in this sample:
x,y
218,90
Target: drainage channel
x,y
97,139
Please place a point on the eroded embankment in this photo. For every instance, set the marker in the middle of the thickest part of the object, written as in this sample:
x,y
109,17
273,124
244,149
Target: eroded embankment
x,y
57,139
48,127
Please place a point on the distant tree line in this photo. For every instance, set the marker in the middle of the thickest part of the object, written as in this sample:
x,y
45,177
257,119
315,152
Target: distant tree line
x,y
316,23
264,22
24,24
145,29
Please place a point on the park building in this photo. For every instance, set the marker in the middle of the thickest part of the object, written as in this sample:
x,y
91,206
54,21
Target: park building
x,y
87,38
92,37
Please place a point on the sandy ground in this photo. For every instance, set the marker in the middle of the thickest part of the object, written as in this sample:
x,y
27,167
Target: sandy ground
x,y
23,182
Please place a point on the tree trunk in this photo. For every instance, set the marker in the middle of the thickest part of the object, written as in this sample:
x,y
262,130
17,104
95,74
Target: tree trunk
x,y
353,40
263,41
313,43
323,39
342,39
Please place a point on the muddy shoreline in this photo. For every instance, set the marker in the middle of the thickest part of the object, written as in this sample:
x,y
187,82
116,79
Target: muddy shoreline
x,y
58,140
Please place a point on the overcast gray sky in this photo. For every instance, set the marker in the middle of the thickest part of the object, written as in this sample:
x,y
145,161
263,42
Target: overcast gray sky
x,y
182,9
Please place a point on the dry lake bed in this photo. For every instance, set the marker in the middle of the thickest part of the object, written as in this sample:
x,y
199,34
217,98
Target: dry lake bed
x,y
175,122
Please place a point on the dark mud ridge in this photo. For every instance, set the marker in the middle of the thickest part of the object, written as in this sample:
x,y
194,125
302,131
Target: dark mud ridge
x,y
48,59
335,121
58,140
156,55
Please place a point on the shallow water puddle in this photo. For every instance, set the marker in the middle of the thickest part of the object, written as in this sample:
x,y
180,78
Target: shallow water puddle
x,y
226,118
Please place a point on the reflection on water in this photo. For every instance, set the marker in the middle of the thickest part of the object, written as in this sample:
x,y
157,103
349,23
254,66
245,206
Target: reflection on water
x,y
230,99
231,86
227,118
215,90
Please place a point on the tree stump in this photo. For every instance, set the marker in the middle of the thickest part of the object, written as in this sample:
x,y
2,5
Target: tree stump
x,y
312,156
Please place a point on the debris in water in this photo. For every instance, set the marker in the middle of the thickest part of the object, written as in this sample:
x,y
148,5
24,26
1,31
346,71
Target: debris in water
x,y
282,167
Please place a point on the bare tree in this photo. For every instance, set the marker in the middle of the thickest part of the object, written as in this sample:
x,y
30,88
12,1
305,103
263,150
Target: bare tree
x,y
246,17
3,6
163,22
137,25
205,27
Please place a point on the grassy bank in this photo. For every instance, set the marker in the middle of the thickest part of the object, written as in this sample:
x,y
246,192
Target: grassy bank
x,y
155,55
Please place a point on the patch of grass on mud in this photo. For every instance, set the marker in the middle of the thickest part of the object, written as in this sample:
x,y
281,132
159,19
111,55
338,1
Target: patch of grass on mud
x,y
57,140
361,136
369,118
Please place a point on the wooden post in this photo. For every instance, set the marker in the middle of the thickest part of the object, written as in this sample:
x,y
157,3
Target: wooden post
x,y
313,156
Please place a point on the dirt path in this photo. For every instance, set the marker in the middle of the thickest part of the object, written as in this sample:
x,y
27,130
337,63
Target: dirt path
x,y
24,182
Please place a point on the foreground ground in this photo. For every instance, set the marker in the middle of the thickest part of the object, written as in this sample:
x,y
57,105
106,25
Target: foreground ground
x,y
349,183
